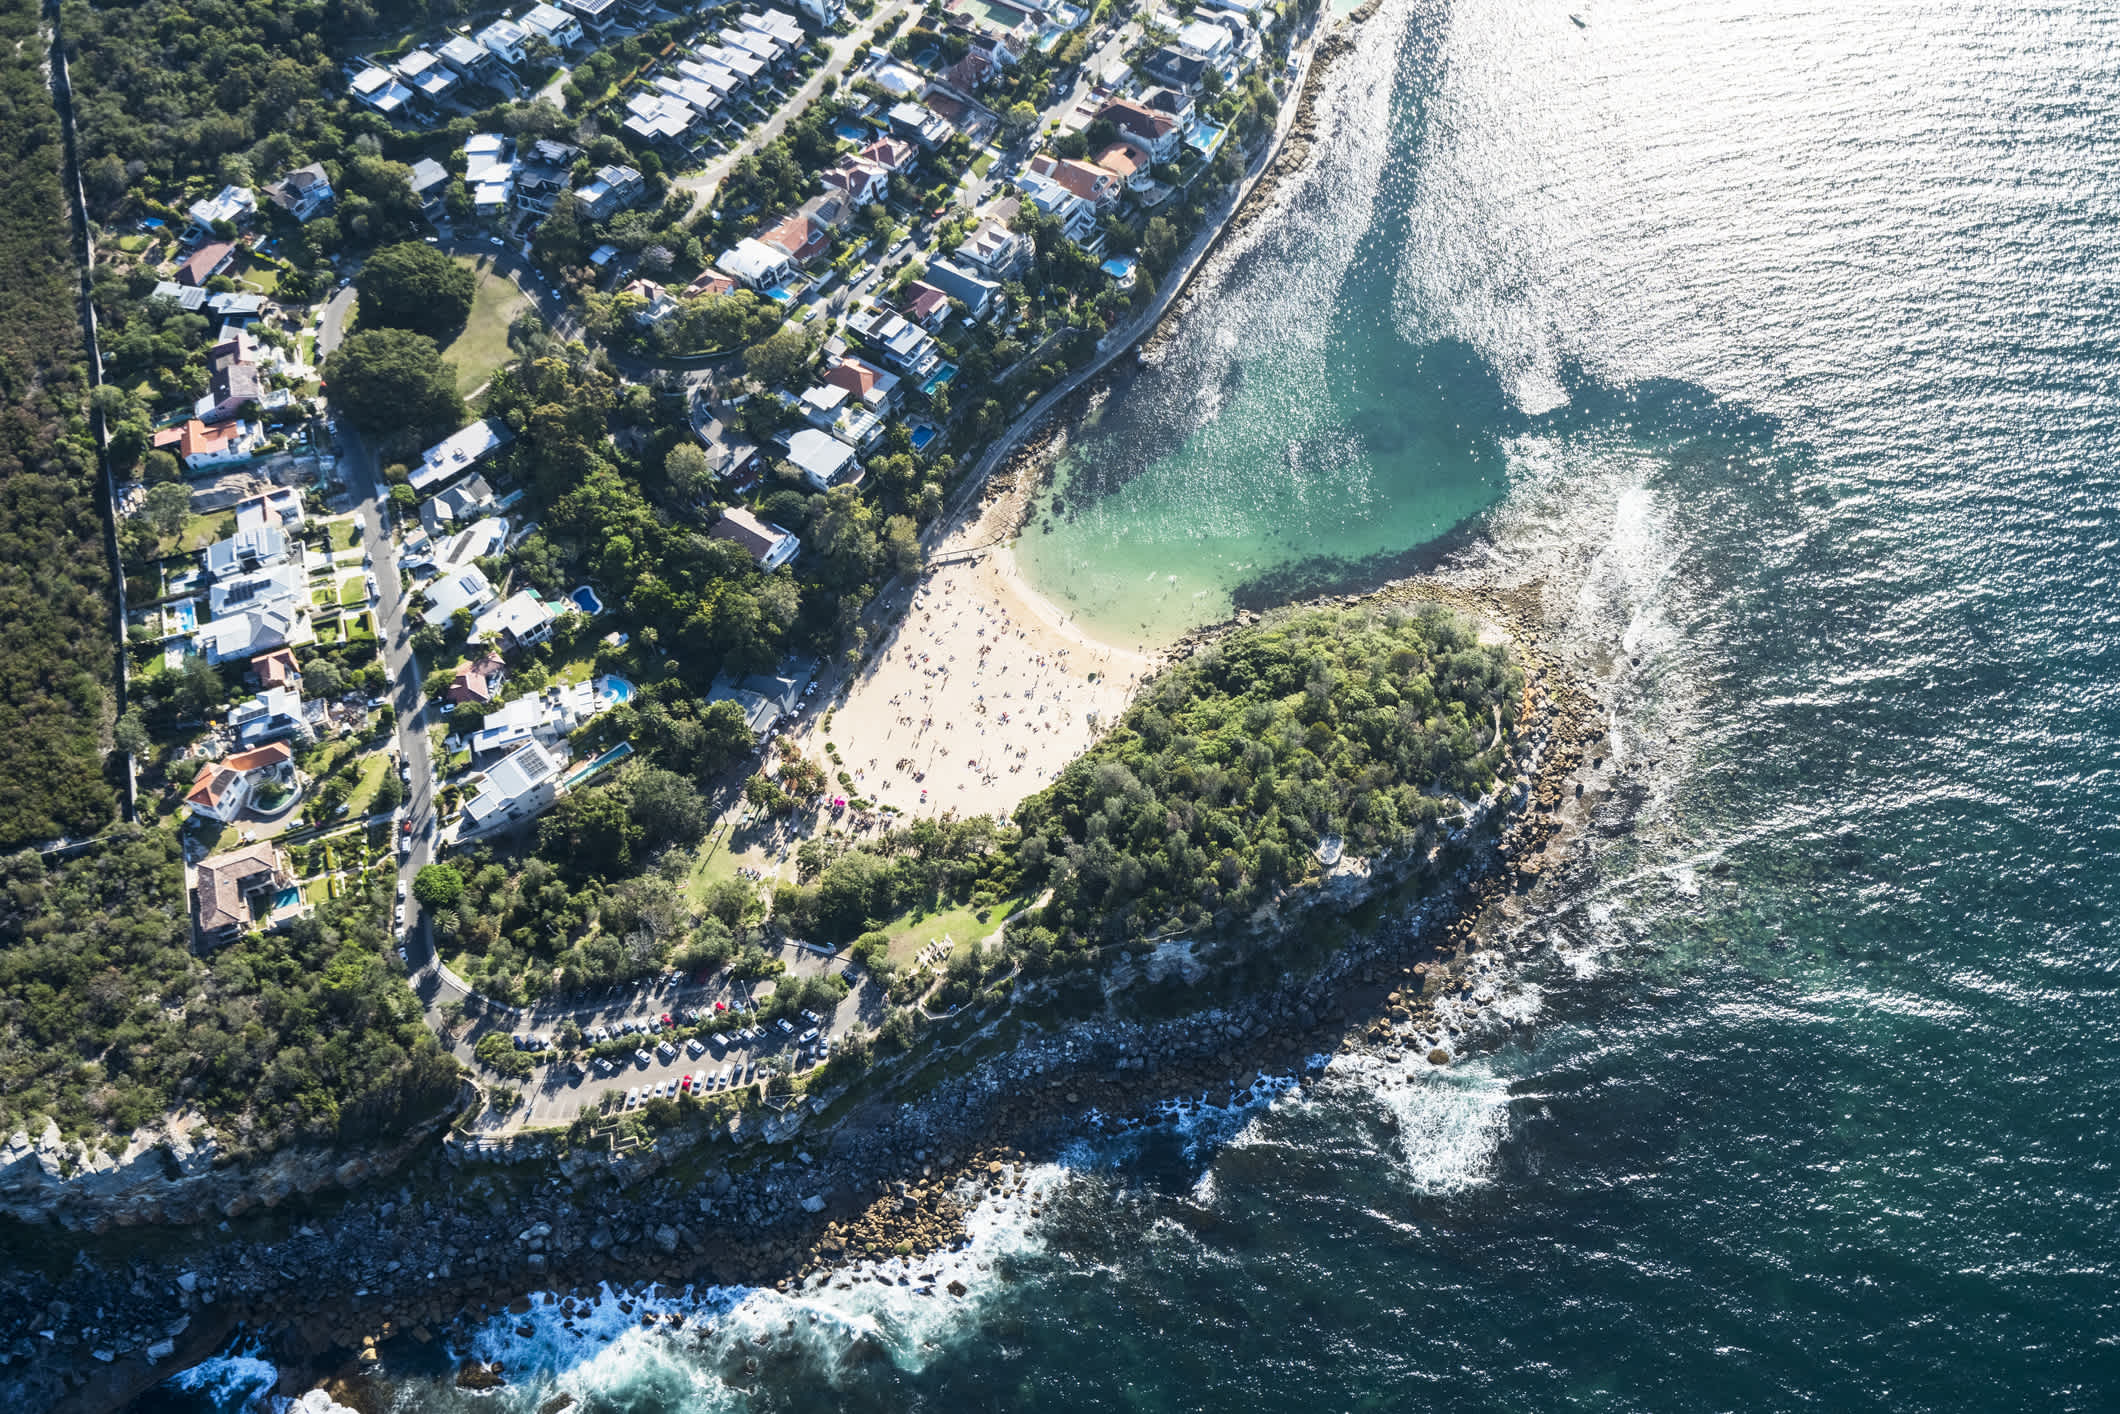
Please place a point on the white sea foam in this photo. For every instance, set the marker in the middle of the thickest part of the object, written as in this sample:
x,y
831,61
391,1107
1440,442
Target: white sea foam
x,y
240,1383
1450,1121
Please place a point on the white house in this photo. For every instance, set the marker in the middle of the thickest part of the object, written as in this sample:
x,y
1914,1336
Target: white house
x,y
224,787
380,90
303,192
553,25
517,788
426,75
599,17
1077,216
520,620
274,585
504,40
258,628
233,204
768,545
469,58
463,588
247,551
904,344
273,715
756,264
490,173
457,453
823,459
612,189
997,251
1205,40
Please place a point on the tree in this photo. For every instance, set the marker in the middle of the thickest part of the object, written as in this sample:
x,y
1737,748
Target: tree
x,y
688,472
415,286
395,386
667,807
901,542
167,507
775,359
438,886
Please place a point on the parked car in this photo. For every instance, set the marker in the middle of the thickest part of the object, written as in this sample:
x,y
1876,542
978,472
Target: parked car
x,y
684,1086
642,1057
806,1037
666,1053
695,1048
786,1026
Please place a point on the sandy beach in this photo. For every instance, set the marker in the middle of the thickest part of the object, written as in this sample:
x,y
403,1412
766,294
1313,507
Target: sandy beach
x,y
981,691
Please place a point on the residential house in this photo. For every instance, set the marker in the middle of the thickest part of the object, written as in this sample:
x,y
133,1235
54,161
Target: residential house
x,y
468,59
1155,135
458,453
731,456
800,236
240,889
709,282
490,174
246,552
255,629
1077,217
463,588
769,49
1087,180
833,409
519,787
742,63
892,154
380,89
926,305
542,174
430,183
206,262
549,716
475,680
598,17
273,715
234,380
225,787
701,97
995,251
1175,69
660,117
724,81
554,26
823,459
268,584
952,281
784,27
1126,167
232,204
969,74
825,13
656,304
859,181
303,192
280,507
869,385
610,191
763,699
426,75
503,39
275,669
1177,104
488,535
462,501
189,298
768,545
919,125
758,265
200,445
904,344
1208,42
519,621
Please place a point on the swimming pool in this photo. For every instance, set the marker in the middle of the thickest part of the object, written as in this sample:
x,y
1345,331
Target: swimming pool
x,y
923,434
584,598
185,614
938,378
617,753
617,689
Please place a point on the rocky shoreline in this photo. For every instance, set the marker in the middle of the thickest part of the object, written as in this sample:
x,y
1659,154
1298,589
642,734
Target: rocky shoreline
x,y
323,1289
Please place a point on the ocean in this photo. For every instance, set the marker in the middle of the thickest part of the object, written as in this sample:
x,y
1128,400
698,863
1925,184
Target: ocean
x,y
1779,341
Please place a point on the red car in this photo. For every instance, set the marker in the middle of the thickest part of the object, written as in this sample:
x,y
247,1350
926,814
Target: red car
x,y
684,1086
667,1022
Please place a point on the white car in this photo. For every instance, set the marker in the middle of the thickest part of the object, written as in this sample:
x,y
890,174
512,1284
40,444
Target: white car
x,y
633,1097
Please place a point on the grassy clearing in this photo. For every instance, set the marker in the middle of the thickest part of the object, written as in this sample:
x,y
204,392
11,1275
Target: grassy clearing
x,y
345,534
374,767
910,934
353,593
482,349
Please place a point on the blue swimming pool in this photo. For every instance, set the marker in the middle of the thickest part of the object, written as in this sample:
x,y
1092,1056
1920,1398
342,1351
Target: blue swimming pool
x,y
617,753
851,131
617,689
924,434
186,612
584,598
939,378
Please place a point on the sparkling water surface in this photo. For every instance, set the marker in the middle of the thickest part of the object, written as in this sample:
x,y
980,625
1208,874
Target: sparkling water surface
x,y
1780,340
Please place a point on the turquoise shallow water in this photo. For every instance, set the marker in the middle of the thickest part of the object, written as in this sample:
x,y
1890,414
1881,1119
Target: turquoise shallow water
x,y
1780,342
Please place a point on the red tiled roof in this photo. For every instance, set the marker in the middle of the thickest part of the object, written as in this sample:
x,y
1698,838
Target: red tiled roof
x,y
194,436
275,669
204,261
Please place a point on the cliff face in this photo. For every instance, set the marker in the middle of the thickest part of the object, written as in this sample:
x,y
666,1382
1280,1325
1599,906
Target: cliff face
x,y
176,1176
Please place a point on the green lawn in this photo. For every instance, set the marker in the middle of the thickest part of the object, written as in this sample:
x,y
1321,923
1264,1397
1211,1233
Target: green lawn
x,y
981,163
353,593
909,936
481,350
374,767
259,278
345,534
198,532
